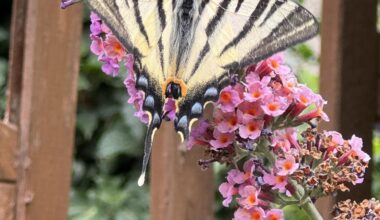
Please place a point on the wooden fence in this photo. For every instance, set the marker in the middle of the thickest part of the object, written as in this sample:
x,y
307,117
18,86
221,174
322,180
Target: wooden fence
x,y
37,133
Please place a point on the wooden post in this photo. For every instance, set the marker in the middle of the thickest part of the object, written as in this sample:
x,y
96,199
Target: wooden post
x,y
179,189
349,71
48,106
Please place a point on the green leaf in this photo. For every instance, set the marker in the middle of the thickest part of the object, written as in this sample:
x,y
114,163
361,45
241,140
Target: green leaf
x,y
293,212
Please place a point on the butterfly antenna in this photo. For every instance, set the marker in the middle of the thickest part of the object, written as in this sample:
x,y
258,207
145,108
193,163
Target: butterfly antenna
x,y
147,152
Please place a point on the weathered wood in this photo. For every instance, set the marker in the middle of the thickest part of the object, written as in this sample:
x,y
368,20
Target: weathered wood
x,y
179,189
16,52
349,70
8,152
48,106
7,201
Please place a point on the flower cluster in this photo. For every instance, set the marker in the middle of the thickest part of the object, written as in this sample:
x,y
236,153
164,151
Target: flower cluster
x,y
269,100
329,162
256,121
367,209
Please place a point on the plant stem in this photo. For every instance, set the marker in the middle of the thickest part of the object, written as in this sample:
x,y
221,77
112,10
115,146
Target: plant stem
x,y
307,205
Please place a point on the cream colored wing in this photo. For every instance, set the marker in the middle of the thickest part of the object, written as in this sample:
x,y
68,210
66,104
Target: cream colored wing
x,y
230,35
144,28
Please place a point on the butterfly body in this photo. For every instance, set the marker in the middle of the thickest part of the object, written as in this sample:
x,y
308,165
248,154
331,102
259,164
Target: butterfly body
x,y
185,49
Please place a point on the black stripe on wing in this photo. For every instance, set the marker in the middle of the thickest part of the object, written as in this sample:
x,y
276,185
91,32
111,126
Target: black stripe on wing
x,y
139,20
259,10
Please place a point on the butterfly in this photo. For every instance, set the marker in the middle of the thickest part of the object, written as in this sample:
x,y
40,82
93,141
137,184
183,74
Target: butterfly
x,y
187,49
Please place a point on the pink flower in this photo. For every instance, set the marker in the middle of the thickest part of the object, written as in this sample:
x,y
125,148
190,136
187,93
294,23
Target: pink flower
x,y
97,45
256,91
225,122
248,110
356,145
67,3
228,191
229,99
198,135
287,166
236,177
249,196
222,140
96,24
285,139
113,48
275,214
274,105
110,67
256,213
278,182
251,128
169,109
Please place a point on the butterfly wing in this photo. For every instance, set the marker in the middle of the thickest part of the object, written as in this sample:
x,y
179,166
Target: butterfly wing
x,y
142,27
232,34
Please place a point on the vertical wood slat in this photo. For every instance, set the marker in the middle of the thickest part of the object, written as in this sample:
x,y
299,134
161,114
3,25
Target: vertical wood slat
x,y
7,201
8,152
179,189
16,52
349,70
48,106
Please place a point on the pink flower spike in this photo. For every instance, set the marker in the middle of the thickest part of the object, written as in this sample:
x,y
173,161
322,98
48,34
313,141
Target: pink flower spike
x,y
356,145
287,166
249,197
229,99
251,129
222,140
275,214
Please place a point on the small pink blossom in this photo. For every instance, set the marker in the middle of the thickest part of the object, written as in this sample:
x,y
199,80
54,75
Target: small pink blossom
x,y
97,45
198,135
110,67
286,166
251,128
278,182
256,91
169,109
275,214
222,140
226,122
356,145
249,197
274,105
229,99
248,110
228,191
113,48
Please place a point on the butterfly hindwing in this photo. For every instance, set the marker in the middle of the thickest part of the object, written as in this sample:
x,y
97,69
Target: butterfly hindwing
x,y
232,34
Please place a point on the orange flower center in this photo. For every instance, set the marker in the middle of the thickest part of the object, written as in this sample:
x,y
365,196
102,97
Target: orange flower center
x,y
256,94
275,64
273,217
225,97
252,199
280,179
118,48
272,107
256,215
232,121
288,165
223,139
252,127
304,99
